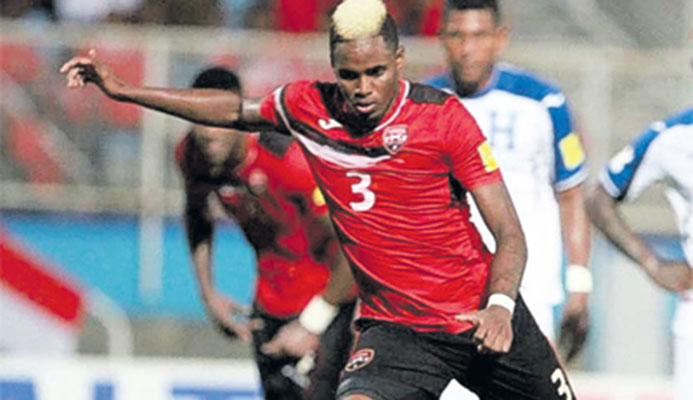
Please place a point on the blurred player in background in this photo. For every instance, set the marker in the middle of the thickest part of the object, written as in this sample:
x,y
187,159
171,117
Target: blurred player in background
x,y
395,161
262,181
663,153
529,126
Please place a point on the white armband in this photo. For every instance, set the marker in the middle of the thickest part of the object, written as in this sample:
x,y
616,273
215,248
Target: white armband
x,y
503,300
317,315
578,279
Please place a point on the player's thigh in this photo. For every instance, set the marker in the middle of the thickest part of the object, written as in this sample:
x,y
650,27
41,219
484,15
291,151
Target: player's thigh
x,y
530,370
683,368
389,363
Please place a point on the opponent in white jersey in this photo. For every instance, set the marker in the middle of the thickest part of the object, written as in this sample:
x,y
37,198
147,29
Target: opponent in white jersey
x,y
528,123
663,153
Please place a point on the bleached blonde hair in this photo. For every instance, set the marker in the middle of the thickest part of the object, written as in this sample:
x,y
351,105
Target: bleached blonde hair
x,y
355,19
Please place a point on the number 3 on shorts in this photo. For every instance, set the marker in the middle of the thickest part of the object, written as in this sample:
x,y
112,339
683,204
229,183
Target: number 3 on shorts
x,y
563,389
361,188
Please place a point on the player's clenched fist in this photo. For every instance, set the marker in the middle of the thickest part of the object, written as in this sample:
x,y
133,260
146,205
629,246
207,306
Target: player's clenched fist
x,y
80,70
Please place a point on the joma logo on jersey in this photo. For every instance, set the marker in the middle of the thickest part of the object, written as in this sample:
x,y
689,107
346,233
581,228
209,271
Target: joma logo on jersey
x,y
394,138
360,359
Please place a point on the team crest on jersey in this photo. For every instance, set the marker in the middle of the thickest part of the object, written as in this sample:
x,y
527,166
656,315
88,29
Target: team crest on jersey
x,y
360,359
394,138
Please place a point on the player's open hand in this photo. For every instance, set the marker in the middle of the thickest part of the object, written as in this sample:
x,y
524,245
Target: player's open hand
x,y
230,317
81,70
292,339
575,325
673,276
493,328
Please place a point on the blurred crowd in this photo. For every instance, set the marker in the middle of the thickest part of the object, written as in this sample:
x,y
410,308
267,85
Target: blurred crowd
x,y
415,17
43,136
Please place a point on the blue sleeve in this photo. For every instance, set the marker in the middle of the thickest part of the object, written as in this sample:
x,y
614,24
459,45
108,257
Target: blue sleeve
x,y
618,175
570,160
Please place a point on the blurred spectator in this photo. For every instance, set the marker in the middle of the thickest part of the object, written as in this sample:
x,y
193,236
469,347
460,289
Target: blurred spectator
x,y
95,10
199,12
431,14
236,12
298,16
27,9
260,15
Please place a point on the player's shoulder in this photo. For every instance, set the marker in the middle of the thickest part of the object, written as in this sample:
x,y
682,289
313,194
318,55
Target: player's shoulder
x,y
307,97
684,117
305,89
439,107
526,83
666,131
422,93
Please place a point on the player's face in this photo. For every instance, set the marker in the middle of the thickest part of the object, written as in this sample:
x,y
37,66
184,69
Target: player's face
x,y
472,40
367,73
216,143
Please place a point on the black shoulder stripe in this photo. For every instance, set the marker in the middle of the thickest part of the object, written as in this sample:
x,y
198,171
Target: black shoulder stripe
x,y
328,93
276,143
421,93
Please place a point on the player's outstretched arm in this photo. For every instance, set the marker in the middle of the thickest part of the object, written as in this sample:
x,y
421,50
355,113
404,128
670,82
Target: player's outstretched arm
x,y
200,231
204,106
494,330
603,212
576,231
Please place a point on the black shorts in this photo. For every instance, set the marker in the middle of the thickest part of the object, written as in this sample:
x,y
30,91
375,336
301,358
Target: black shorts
x,y
279,376
393,362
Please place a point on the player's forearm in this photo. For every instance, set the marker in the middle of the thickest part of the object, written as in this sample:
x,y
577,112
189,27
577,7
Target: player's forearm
x,y
202,106
575,225
604,215
508,263
500,217
200,232
341,283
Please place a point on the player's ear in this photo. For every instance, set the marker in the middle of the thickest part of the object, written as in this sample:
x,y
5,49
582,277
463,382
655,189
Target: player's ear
x,y
502,37
399,58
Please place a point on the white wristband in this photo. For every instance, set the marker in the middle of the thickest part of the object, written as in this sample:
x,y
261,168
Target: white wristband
x,y
317,315
503,300
578,279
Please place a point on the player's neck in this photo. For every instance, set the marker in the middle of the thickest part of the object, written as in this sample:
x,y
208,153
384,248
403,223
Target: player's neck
x,y
471,89
358,127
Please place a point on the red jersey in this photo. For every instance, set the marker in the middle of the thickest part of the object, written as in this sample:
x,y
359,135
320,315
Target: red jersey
x,y
274,199
397,198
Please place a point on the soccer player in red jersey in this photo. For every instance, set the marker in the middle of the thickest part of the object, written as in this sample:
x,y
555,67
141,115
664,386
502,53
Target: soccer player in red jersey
x,y
395,161
262,181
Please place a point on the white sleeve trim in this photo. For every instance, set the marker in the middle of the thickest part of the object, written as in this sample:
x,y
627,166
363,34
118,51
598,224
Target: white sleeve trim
x,y
574,180
609,185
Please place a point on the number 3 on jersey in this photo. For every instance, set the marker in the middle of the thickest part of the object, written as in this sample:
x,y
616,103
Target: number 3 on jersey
x,y
361,188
